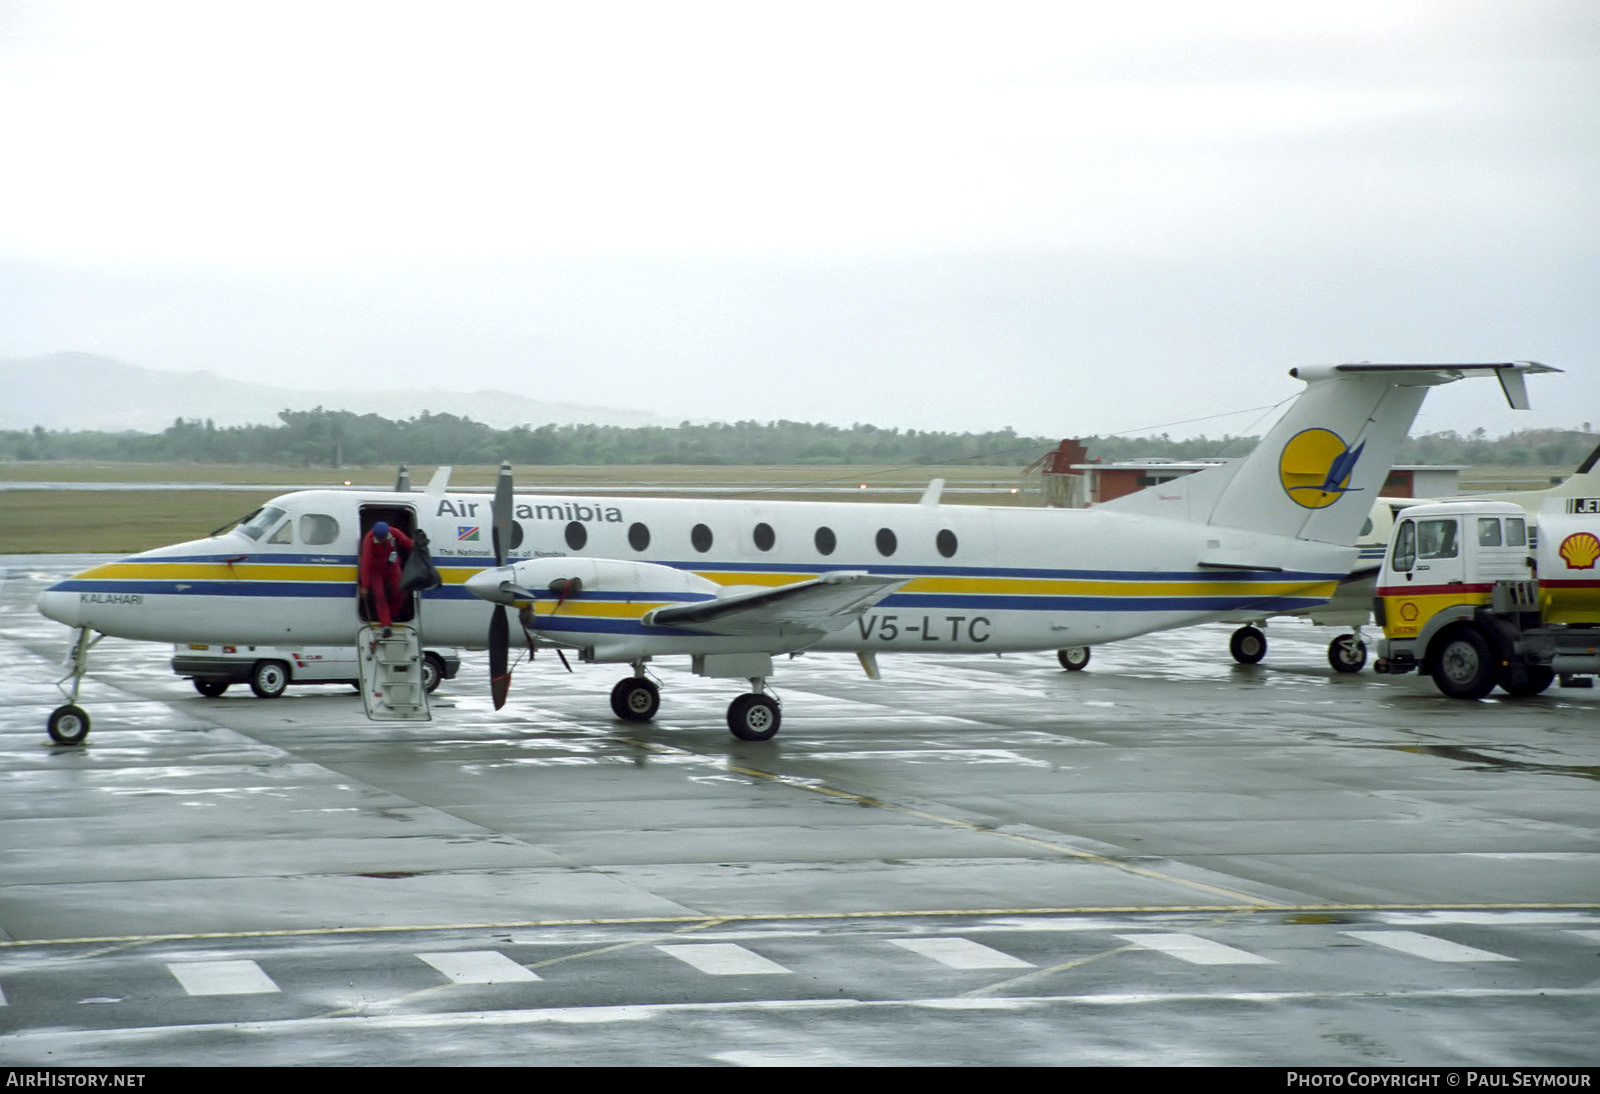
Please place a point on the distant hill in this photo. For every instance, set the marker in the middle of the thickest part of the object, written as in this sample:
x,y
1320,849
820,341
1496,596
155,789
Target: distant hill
x,y
83,391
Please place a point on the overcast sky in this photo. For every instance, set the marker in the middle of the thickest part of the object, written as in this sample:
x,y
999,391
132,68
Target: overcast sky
x,y
1066,218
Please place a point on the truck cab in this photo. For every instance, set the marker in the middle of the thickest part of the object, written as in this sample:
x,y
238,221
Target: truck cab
x,y
1471,595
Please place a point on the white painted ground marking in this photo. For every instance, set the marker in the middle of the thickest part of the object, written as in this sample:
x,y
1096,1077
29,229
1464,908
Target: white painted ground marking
x,y
1422,945
962,953
1593,936
222,977
479,967
723,959
2,997
1196,950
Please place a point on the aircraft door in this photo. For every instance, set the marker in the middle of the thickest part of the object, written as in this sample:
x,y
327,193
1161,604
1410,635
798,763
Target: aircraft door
x,y
403,518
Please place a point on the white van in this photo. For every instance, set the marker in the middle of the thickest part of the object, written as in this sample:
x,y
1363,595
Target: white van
x,y
270,669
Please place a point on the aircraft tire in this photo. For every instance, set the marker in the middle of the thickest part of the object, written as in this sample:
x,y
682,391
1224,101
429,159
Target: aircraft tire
x,y
210,688
269,679
1525,681
1463,664
432,672
1248,646
1074,658
1347,653
635,699
69,725
754,717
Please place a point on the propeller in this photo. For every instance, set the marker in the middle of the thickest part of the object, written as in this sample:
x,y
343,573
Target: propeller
x,y
499,626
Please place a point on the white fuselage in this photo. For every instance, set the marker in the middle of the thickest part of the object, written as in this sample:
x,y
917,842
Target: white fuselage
x,y
978,579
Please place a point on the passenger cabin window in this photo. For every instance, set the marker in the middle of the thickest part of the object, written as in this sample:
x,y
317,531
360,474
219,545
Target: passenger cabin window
x,y
638,536
700,536
1516,532
825,540
264,519
946,542
577,535
284,534
764,536
1405,548
1488,531
317,529
1436,539
886,542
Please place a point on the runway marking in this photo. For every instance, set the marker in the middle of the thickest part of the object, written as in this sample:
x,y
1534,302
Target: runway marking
x,y
723,959
1426,946
1196,950
123,941
2,997
222,977
1593,936
962,953
479,967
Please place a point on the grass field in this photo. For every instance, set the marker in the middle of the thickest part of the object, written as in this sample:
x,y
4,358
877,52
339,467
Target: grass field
x,y
52,521
47,521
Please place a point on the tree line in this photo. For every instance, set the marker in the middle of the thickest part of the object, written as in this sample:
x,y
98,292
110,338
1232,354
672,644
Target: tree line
x,y
334,438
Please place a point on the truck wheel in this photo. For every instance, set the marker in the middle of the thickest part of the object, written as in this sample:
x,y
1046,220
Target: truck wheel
x,y
1525,680
269,678
1464,667
210,687
432,671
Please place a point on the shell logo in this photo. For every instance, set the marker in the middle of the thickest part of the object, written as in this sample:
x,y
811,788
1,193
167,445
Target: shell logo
x,y
1315,468
1408,612
1579,550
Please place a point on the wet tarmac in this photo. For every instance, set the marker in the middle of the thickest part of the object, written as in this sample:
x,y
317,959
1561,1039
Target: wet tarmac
x,y
1167,858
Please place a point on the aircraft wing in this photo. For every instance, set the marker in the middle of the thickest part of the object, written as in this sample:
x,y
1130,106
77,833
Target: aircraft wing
x,y
820,606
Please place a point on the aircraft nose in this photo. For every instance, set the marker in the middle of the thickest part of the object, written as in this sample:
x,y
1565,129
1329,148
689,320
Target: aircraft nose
x,y
492,584
62,606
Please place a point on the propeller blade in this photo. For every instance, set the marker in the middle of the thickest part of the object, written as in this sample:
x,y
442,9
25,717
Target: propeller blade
x,y
502,515
499,656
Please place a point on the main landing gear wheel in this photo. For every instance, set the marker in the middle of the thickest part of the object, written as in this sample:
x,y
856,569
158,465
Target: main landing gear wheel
x,y
1347,653
210,688
1464,666
1525,681
635,699
754,717
269,679
69,725
1074,658
1248,646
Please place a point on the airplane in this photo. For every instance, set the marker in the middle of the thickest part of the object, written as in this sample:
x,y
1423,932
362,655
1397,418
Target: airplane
x,y
731,584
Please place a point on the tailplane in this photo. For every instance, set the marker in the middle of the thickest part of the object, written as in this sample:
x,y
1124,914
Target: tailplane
x,y
1317,472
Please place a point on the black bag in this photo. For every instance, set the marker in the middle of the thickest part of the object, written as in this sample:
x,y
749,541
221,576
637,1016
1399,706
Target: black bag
x,y
418,575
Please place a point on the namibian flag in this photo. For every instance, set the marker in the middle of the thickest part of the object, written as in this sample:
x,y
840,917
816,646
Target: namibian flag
x,y
465,534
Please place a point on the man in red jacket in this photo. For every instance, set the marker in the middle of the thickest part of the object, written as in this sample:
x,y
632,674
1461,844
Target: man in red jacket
x,y
380,571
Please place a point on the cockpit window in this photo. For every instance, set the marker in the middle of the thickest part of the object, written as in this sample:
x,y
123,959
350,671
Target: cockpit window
x,y
317,529
264,518
284,534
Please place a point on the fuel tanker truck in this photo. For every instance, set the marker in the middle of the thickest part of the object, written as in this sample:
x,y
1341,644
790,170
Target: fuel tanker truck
x,y
1473,595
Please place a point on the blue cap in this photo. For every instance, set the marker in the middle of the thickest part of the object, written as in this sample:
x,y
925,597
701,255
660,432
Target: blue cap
x,y
381,530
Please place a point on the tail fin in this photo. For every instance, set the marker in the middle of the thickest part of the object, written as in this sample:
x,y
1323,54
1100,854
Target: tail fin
x,y
1317,472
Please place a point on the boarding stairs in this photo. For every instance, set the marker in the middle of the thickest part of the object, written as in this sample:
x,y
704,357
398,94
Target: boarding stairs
x,y
391,674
